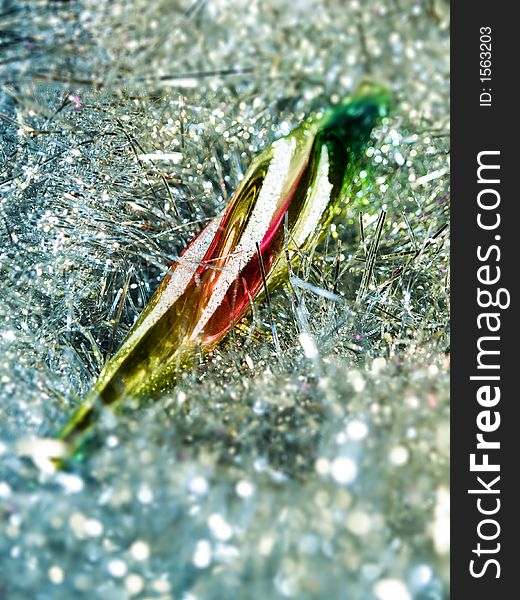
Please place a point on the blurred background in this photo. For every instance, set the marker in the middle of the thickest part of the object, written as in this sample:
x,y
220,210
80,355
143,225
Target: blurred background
x,y
311,474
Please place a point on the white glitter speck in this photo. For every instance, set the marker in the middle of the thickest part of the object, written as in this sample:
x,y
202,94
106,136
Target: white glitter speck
x,y
202,554
357,380
421,575
357,430
140,550
5,490
322,466
391,589
220,527
162,586
441,523
117,568
245,489
93,528
56,575
359,523
399,159
344,470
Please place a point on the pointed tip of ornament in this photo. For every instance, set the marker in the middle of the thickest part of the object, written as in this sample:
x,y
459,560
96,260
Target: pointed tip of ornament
x,y
362,109
374,94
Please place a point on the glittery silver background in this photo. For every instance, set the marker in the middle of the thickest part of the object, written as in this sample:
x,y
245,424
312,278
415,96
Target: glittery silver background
x,y
317,473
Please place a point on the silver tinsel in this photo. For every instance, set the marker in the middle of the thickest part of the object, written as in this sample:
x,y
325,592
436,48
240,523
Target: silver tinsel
x,y
317,472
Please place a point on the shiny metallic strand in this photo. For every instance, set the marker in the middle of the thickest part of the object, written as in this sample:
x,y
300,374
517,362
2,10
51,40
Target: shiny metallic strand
x,y
125,127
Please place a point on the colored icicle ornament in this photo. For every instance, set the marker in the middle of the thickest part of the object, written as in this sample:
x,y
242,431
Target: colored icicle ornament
x,y
297,181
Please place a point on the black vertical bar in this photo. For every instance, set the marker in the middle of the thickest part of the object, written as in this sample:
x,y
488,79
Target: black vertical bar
x,y
484,118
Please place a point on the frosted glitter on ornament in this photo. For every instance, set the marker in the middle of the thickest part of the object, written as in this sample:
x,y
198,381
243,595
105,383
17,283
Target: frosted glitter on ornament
x,y
399,456
93,528
134,584
56,575
199,486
